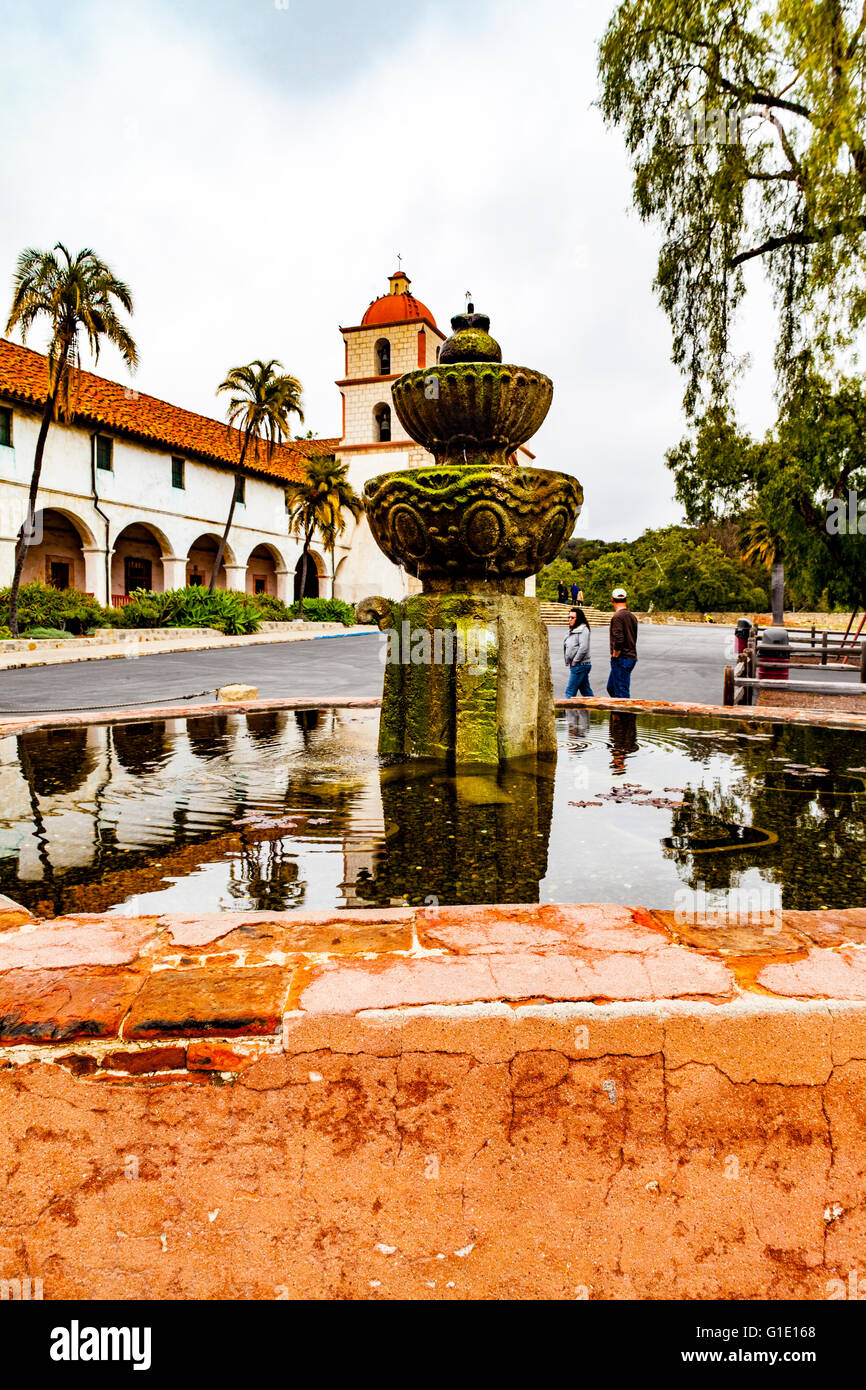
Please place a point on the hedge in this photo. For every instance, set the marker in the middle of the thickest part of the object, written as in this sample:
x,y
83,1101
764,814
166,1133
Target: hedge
x,y
43,609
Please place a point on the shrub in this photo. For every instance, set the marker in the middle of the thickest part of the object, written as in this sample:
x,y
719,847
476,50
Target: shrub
x,y
39,606
224,610
48,634
273,610
325,610
5,634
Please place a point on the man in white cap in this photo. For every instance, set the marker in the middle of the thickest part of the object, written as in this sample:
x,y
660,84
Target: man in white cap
x,y
623,647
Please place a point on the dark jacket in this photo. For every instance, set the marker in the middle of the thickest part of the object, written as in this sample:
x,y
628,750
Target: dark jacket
x,y
623,634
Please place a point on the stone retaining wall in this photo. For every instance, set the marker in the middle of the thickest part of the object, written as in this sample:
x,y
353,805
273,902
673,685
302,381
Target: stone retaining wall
x,y
523,1102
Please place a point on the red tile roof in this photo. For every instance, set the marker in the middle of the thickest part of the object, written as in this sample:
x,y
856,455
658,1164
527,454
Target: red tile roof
x,y
123,411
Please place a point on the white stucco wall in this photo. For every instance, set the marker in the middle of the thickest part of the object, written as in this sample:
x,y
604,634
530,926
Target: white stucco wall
x,y
139,490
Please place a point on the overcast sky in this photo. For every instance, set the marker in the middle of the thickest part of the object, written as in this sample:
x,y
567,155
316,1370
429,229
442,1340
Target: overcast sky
x,y
253,167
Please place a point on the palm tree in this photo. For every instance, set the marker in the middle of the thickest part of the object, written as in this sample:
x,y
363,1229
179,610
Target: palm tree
x,y
761,543
76,295
319,503
263,397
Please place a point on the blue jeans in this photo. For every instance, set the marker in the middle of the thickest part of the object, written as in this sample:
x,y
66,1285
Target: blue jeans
x,y
619,684
578,681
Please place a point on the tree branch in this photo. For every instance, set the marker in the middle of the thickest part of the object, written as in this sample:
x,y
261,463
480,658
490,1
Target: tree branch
x,y
753,94
857,35
774,243
785,143
786,174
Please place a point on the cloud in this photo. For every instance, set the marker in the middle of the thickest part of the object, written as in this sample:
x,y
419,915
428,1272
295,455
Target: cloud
x,y
254,205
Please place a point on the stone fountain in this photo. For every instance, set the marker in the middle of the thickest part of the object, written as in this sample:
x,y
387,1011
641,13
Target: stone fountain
x,y
467,680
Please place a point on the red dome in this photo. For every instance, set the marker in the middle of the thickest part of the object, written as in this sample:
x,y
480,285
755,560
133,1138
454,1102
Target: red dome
x,y
397,307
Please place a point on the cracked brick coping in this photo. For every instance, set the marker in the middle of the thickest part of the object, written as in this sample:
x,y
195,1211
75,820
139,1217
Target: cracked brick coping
x,y
119,999
765,714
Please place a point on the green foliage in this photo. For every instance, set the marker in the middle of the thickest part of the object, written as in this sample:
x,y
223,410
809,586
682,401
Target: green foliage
x,y
48,634
325,610
76,295
581,551
272,609
745,125
676,569
780,488
548,581
610,571
5,634
262,397
226,611
40,606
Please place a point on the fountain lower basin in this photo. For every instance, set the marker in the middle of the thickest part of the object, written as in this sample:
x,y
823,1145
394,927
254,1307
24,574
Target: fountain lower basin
x,y
477,522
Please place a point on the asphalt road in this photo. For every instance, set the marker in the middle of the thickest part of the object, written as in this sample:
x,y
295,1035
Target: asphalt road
x,y
675,663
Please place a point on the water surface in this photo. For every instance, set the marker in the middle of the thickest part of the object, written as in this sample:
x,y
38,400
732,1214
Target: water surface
x,y
286,810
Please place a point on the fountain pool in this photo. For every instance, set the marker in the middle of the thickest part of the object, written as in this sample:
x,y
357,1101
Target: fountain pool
x,y
294,810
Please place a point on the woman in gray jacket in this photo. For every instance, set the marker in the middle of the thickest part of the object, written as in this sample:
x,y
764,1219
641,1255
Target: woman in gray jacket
x,y
577,655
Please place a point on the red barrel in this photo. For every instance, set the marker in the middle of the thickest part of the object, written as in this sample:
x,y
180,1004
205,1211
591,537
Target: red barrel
x,y
774,654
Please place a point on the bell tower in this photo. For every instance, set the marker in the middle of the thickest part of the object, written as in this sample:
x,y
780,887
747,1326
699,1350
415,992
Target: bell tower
x,y
397,334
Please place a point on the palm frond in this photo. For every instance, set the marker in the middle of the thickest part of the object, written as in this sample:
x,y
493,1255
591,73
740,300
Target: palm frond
x,y
77,296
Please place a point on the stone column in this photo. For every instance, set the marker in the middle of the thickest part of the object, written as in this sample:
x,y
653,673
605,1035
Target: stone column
x,y
7,561
236,577
285,586
95,566
174,571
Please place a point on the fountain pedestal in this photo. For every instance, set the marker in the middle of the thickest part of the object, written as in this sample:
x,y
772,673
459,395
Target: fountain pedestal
x,y
467,679
467,674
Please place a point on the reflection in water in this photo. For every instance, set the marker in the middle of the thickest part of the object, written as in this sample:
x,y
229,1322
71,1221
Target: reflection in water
x,y
140,747
308,721
267,873
623,740
797,808
577,723
273,811
57,759
264,725
208,735
462,839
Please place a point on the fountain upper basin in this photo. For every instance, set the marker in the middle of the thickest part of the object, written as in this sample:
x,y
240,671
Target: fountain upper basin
x,y
471,412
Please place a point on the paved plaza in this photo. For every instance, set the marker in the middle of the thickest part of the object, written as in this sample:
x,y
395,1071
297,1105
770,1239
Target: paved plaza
x,y
676,663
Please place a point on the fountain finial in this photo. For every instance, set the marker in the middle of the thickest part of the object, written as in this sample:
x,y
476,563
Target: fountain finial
x,y
470,340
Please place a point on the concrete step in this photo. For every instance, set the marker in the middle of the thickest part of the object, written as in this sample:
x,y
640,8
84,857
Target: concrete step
x,y
556,615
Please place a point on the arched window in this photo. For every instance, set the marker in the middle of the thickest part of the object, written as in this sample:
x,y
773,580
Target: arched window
x,y
382,419
382,356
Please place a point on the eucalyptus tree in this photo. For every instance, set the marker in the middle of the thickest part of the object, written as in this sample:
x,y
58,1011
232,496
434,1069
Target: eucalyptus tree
x,y
746,127
77,297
